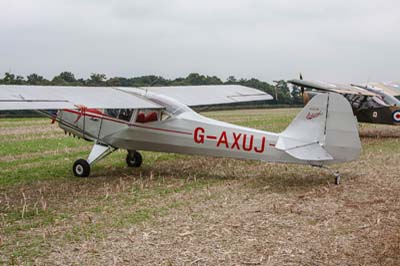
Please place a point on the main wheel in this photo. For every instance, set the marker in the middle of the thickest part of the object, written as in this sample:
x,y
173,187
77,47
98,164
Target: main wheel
x,y
81,168
134,159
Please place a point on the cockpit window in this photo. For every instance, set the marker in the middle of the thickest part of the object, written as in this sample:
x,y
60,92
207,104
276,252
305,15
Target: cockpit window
x,y
122,114
112,112
125,114
149,115
365,102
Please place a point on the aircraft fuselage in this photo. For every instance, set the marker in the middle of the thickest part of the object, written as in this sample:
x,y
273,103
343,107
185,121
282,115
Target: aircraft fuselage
x,y
185,133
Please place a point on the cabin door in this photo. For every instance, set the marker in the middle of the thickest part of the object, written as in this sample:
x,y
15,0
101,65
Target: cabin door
x,y
93,125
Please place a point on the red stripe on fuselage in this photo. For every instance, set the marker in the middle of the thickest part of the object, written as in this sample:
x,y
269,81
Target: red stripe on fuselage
x,y
108,118
162,129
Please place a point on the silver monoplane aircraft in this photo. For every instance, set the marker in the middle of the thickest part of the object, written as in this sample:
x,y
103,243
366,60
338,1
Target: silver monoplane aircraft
x,y
160,119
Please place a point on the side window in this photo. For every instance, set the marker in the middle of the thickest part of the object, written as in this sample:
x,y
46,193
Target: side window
x,y
112,112
148,115
125,114
122,114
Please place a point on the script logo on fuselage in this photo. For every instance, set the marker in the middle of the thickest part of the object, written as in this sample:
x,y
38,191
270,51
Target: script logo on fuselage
x,y
232,141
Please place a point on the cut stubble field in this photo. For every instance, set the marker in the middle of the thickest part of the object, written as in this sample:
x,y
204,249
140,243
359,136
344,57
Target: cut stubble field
x,y
191,210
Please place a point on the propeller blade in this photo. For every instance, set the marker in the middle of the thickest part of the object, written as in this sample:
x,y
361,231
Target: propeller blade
x,y
302,88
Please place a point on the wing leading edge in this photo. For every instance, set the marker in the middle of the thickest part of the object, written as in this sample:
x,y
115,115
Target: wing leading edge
x,y
58,97
331,87
210,94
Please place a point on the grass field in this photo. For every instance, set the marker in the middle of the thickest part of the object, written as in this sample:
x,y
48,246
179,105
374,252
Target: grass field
x,y
189,210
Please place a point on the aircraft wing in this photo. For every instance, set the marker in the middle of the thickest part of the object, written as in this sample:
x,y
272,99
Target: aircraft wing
x,y
57,97
211,94
331,87
391,88
60,97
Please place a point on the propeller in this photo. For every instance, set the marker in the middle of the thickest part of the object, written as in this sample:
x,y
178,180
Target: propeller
x,y
304,95
302,88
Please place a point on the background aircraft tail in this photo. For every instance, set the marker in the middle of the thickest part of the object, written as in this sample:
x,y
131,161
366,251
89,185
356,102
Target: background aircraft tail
x,y
324,132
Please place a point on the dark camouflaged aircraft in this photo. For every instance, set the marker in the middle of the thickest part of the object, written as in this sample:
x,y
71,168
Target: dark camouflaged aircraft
x,y
375,102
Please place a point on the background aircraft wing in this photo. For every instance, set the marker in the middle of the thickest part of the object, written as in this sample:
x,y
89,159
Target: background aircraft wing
x,y
58,97
391,88
211,94
331,87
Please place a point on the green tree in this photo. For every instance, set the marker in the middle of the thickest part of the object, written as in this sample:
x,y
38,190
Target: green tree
x,y
9,78
58,81
213,80
231,80
65,79
149,81
35,79
68,76
195,79
282,92
20,80
97,80
114,82
297,98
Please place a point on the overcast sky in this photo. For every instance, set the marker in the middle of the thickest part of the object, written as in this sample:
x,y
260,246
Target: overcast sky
x,y
332,40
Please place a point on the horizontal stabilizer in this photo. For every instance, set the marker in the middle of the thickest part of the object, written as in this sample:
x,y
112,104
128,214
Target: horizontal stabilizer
x,y
307,152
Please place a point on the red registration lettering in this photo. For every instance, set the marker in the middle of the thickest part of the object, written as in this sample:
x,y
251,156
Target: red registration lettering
x,y
236,139
199,135
262,149
250,147
223,140
240,141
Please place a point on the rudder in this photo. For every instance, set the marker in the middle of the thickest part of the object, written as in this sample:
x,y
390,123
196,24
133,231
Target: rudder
x,y
325,131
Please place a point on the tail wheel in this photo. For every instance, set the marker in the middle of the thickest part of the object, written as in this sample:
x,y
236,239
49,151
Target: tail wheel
x,y
134,159
81,168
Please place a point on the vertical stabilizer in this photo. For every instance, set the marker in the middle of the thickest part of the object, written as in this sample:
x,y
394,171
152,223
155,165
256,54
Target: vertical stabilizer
x,y
324,131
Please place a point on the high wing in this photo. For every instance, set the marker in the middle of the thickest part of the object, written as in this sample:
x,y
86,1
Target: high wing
x,y
209,94
391,88
58,97
331,87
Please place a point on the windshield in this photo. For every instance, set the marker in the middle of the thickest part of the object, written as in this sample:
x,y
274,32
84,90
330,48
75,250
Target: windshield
x,y
172,106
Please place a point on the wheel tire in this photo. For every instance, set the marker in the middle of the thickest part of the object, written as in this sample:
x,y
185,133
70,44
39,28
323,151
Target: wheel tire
x,y
134,159
81,168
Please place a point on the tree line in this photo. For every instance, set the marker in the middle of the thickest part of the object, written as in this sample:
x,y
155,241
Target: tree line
x,y
279,90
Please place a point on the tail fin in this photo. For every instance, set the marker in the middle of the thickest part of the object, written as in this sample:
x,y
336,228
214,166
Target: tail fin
x,y
325,131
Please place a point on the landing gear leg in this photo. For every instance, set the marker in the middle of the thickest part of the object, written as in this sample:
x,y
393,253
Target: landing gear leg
x,y
335,173
337,178
81,167
134,159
